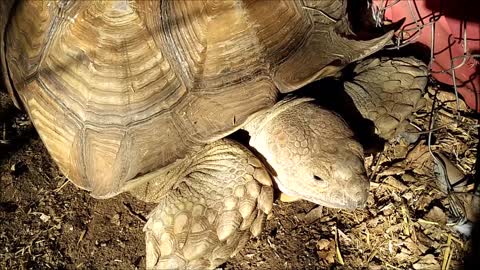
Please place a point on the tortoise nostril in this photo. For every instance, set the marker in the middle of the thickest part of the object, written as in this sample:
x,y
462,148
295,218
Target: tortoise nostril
x,y
317,178
361,198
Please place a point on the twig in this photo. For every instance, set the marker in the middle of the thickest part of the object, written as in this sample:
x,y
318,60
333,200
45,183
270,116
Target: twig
x,y
134,214
337,248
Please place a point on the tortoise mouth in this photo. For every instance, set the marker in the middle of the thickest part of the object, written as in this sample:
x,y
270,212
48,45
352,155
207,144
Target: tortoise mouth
x,y
345,202
351,196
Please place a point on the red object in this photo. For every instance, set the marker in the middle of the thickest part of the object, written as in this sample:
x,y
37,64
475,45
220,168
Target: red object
x,y
454,19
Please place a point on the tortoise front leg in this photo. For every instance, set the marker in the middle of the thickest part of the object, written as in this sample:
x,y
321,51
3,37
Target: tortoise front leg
x,y
218,203
388,91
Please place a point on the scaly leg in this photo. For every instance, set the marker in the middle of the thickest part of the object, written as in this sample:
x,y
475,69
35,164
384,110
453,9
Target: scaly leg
x,y
218,201
388,91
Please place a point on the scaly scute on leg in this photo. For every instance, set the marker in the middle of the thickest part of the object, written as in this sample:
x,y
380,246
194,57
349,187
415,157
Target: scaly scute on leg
x,y
219,201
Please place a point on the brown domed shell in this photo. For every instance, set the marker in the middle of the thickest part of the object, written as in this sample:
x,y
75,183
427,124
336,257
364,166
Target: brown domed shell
x,y
5,8
117,89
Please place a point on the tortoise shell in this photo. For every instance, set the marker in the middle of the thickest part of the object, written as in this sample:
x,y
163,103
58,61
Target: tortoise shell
x,y
118,89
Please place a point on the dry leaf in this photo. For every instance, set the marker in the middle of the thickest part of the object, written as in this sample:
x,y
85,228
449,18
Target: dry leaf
x,y
393,182
427,262
326,250
437,215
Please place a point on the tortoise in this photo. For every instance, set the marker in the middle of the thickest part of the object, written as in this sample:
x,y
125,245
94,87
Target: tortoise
x,y
141,96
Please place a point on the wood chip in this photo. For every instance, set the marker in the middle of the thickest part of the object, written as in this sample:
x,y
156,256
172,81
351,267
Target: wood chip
x,y
393,182
313,214
427,262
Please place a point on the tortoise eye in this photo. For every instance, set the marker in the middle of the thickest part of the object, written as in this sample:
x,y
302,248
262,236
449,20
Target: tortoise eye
x,y
319,182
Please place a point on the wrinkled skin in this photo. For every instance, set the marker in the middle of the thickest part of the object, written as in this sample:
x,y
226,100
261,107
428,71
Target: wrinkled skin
x,y
313,154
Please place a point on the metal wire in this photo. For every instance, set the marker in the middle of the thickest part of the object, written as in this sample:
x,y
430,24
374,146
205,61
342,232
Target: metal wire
x,y
408,35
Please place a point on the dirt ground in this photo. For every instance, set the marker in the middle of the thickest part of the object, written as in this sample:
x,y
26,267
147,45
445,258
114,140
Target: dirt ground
x,y
48,223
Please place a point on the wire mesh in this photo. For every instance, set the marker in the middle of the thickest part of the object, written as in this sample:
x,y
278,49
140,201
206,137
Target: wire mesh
x,y
417,24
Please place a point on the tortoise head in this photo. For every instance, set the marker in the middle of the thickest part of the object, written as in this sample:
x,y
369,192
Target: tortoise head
x,y
314,155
